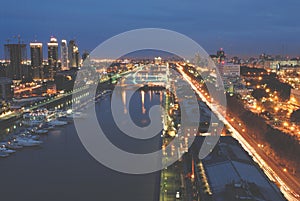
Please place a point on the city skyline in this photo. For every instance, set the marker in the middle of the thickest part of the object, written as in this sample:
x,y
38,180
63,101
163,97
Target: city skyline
x,y
17,39
244,28
150,100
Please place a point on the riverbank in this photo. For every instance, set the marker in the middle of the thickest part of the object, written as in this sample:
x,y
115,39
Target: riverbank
x,y
61,169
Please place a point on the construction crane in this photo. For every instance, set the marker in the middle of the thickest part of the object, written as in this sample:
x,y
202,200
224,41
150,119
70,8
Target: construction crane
x,y
19,38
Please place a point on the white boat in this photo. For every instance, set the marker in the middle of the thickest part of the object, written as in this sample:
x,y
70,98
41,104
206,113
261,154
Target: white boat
x,y
37,117
12,145
31,130
41,131
5,150
49,127
61,113
3,154
29,136
108,91
27,142
27,122
57,123
77,115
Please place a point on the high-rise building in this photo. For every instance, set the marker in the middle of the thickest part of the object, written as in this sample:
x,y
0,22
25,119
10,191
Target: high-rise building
x,y
73,54
221,56
52,57
64,55
15,56
36,52
85,55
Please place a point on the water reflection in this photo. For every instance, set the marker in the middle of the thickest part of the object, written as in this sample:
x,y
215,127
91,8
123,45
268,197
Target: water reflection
x,y
124,100
143,102
61,169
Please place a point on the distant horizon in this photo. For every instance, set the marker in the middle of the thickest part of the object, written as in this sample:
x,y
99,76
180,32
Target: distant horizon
x,y
241,55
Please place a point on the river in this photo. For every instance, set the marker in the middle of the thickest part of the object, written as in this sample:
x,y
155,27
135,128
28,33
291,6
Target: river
x,y
62,170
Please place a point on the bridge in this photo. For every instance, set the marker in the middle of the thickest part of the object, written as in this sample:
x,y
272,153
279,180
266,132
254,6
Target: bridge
x,y
147,75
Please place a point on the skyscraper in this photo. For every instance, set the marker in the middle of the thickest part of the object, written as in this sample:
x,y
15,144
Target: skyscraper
x,y
221,56
52,56
15,55
73,54
64,55
85,55
36,52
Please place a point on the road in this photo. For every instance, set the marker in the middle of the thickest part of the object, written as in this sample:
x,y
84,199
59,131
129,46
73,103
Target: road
x,y
287,183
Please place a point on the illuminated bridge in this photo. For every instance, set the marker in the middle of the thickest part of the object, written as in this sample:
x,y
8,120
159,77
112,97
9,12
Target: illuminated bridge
x,y
148,75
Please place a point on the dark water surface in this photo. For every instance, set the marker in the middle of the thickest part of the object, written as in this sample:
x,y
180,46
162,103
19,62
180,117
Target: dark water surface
x,y
62,170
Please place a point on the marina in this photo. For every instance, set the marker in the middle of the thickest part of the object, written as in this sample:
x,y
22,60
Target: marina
x,y
61,169
27,130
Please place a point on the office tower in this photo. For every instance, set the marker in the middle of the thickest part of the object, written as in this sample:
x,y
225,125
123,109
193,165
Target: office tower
x,y
15,56
221,56
36,52
85,55
221,53
73,54
64,55
52,57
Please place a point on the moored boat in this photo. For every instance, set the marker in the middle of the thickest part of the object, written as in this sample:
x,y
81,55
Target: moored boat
x,y
41,131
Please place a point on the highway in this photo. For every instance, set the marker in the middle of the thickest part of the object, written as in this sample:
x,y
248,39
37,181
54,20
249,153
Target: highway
x,y
287,183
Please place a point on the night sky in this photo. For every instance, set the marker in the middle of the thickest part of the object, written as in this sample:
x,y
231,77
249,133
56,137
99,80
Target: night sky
x,y
241,27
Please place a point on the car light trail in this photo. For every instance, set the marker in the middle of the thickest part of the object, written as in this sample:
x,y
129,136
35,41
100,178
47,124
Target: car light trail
x,y
271,174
